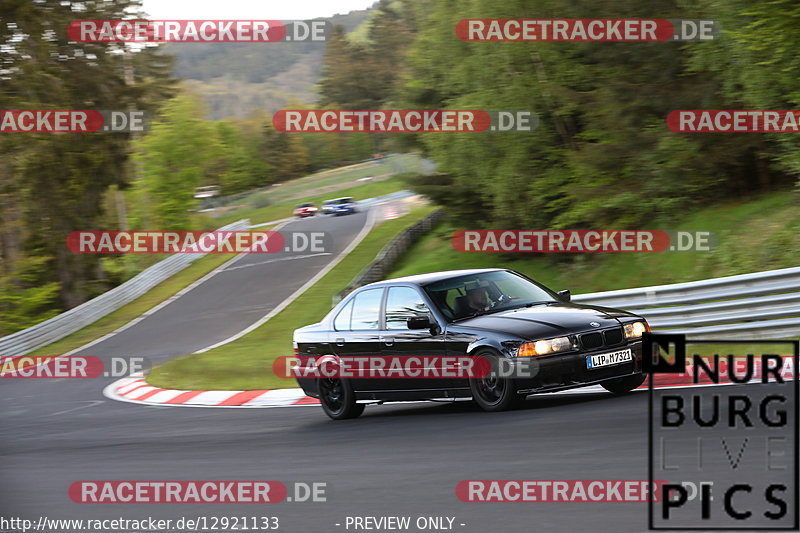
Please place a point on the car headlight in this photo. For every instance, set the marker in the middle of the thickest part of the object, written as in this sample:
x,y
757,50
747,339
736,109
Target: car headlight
x,y
544,347
634,330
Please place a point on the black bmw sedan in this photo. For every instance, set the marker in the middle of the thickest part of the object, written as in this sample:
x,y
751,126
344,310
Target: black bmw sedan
x,y
535,340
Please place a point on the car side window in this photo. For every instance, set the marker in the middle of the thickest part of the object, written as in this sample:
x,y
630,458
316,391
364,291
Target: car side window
x,y
342,320
403,303
366,309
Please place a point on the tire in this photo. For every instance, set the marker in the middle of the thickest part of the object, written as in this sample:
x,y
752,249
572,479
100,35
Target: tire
x,y
493,393
623,385
338,399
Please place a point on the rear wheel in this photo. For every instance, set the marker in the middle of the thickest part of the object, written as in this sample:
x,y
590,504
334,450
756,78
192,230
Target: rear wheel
x,y
338,399
492,392
623,385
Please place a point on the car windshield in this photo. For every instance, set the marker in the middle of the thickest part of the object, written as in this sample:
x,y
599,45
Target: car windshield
x,y
485,292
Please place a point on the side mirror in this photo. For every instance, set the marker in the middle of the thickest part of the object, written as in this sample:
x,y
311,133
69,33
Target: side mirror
x,y
418,322
564,295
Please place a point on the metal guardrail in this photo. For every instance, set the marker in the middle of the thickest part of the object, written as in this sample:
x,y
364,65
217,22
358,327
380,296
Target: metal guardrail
x,y
386,258
58,327
762,305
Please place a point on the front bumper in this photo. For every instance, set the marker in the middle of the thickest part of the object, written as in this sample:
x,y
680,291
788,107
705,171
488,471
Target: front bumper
x,y
567,371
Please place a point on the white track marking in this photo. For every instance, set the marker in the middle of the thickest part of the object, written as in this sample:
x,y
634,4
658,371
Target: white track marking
x,y
91,403
276,260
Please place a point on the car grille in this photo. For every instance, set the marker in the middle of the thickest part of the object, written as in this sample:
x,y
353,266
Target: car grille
x,y
613,336
598,339
590,341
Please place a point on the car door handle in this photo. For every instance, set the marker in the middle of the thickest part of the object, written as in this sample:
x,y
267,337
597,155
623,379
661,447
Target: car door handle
x,y
340,342
388,341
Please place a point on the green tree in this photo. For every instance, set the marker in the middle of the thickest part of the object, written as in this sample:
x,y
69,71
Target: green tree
x,y
285,153
55,184
365,75
176,155
602,154
23,301
243,166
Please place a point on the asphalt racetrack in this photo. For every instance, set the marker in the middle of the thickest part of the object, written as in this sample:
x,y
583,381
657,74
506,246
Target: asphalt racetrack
x,y
401,459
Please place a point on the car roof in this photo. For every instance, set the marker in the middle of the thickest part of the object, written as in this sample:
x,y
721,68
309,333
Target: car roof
x,y
431,277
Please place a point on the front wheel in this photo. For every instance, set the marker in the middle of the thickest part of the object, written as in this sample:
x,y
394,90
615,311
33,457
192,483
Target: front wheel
x,y
338,399
494,393
623,385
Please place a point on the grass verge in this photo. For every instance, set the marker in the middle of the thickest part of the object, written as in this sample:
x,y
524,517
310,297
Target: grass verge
x,y
246,363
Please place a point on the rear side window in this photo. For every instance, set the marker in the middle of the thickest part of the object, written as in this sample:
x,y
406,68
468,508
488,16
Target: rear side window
x,y
403,303
366,309
342,320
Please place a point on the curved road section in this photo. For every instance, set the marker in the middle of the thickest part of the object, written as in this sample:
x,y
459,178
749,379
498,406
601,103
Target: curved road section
x,y
395,461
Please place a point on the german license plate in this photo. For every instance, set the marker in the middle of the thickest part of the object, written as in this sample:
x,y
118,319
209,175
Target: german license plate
x,y
608,359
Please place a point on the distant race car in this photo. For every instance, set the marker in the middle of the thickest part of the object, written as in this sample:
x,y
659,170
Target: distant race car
x,y
543,341
305,210
339,206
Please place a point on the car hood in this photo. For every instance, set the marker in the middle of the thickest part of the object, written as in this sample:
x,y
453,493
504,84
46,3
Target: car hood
x,y
548,320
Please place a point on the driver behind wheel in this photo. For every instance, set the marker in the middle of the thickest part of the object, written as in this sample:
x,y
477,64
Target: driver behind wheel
x,y
478,299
